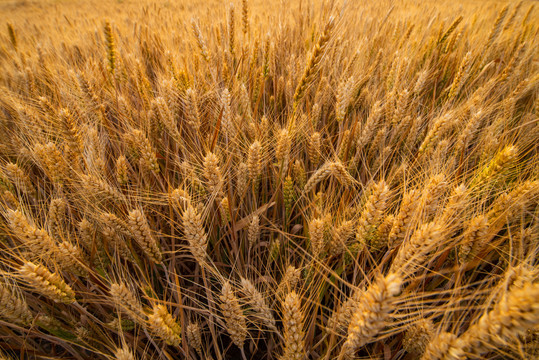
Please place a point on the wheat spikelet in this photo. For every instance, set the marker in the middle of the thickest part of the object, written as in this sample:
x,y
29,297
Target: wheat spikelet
x,y
288,194
289,281
195,234
501,162
401,108
122,170
245,17
340,319
5,183
57,209
9,200
456,205
380,238
340,237
37,240
13,308
474,238
71,132
314,148
432,193
146,152
513,315
242,177
370,125
516,312
111,220
461,76
233,315
259,304
200,40
450,30
421,81
372,211
528,13
314,61
231,30
496,28
407,209
513,63
47,283
298,173
316,234
227,117
253,233
125,300
124,353
371,314
191,109
111,48
444,346
20,179
179,199
164,325
165,115
138,225
344,145
12,35
254,161
518,277
212,173
71,258
112,237
87,89
468,132
52,161
294,344
194,337
224,209
245,103
511,19
418,336
86,234
96,186
282,150
344,95
434,134
338,170
510,203
413,252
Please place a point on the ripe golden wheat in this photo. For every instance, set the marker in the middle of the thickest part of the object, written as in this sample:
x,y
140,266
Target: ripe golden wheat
x,y
269,180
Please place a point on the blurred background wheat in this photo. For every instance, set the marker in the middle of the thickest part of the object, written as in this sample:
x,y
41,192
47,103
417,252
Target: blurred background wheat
x,y
269,180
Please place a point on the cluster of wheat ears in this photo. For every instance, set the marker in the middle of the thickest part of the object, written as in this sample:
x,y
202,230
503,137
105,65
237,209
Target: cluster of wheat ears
x,y
334,182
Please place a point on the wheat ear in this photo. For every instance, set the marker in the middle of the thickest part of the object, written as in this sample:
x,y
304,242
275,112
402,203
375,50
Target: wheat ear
x,y
13,308
125,300
294,342
372,313
164,325
124,353
233,315
195,234
194,337
142,233
47,283
256,299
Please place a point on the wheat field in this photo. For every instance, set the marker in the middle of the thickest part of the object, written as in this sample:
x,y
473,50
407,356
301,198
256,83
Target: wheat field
x,y
285,180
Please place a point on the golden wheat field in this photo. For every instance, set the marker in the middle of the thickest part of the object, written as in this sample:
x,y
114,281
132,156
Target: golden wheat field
x,y
291,180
